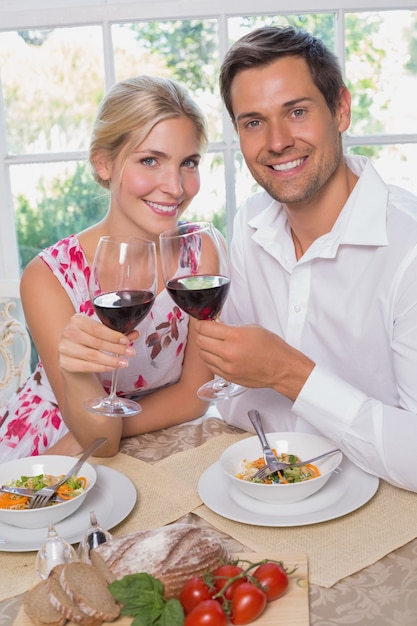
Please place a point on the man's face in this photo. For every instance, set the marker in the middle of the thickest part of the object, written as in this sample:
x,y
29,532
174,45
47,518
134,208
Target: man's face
x,y
290,140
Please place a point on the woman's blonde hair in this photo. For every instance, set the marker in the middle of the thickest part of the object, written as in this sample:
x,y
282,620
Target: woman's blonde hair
x,y
130,110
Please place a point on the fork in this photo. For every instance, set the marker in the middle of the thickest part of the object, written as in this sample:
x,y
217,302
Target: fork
x,y
270,459
29,493
265,470
44,495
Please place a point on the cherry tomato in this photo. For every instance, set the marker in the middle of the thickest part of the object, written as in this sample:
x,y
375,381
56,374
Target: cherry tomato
x,y
206,613
273,578
225,573
248,603
193,592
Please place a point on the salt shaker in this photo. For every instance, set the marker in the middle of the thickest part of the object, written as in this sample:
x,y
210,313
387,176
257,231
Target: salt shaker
x,y
94,537
54,551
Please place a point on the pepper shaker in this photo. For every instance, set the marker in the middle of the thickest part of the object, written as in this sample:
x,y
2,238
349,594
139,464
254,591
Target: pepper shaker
x,y
94,537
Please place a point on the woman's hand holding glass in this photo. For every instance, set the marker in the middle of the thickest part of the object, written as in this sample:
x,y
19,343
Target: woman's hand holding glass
x,y
87,345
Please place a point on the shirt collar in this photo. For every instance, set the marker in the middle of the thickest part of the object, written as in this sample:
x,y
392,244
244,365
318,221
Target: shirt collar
x,y
365,212
362,220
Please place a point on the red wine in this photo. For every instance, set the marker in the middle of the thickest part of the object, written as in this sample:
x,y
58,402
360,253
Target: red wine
x,y
123,310
200,296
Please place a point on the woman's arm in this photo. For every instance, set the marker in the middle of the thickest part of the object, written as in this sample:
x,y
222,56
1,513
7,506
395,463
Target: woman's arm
x,y
83,348
48,312
74,348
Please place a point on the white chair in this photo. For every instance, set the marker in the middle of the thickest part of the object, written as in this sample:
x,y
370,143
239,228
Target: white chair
x,y
15,346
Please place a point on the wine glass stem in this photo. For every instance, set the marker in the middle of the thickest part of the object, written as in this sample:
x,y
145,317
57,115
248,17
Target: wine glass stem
x,y
220,383
113,394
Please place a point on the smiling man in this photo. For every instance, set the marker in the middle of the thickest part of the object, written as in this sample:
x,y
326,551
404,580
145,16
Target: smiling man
x,y
321,320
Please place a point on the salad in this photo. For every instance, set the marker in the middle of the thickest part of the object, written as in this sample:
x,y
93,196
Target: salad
x,y
285,476
72,488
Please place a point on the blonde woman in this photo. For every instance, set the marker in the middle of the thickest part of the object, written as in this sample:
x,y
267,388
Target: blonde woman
x,y
147,142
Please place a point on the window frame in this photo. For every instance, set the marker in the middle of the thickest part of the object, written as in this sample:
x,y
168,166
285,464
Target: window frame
x,y
22,15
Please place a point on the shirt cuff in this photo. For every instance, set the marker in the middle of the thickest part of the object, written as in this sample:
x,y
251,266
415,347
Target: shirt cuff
x,y
328,403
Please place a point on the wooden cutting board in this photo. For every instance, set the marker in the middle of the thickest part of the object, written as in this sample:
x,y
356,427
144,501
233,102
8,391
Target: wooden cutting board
x,y
290,610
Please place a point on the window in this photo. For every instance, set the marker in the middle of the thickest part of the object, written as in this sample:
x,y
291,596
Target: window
x,y
57,60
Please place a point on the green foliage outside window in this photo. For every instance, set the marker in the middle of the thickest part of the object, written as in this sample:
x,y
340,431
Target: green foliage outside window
x,y
70,205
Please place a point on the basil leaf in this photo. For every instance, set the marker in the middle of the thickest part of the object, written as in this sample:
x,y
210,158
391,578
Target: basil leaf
x,y
172,615
134,584
145,602
142,596
140,620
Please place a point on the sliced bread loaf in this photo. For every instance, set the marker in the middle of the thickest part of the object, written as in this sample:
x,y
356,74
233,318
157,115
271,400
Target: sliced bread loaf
x,y
87,588
63,603
38,607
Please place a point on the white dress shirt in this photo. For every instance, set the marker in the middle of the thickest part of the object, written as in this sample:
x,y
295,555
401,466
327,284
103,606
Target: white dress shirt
x,y
350,305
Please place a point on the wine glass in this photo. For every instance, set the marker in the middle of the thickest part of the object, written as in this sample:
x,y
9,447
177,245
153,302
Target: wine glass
x,y
196,274
122,290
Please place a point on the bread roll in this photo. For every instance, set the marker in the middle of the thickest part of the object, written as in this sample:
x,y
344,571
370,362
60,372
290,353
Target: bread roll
x,y
172,554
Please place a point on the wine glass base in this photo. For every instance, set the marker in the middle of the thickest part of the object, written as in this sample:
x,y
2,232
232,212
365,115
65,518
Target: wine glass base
x,y
219,389
113,407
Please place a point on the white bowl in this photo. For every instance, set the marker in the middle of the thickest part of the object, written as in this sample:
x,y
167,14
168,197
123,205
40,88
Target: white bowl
x,y
303,445
45,464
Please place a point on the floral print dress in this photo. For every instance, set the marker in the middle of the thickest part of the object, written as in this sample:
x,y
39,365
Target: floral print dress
x,y
31,420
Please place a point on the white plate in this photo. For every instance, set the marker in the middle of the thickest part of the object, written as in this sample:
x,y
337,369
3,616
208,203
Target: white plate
x,y
112,498
343,493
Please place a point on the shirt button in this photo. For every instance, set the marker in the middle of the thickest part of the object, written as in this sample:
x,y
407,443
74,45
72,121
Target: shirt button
x,y
297,308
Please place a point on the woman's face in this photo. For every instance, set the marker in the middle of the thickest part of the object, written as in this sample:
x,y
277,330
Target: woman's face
x,y
152,187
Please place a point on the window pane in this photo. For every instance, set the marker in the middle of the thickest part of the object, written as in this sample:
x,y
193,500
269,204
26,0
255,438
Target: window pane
x,y
395,163
321,25
52,201
381,70
246,185
210,203
185,50
52,81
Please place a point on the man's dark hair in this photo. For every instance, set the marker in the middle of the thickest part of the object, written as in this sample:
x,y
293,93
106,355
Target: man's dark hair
x,y
265,45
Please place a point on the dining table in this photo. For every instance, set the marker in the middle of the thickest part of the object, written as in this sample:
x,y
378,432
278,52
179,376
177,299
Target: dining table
x,y
360,564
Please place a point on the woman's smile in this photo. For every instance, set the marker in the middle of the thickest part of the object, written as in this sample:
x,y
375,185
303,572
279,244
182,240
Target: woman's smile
x,y
163,209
